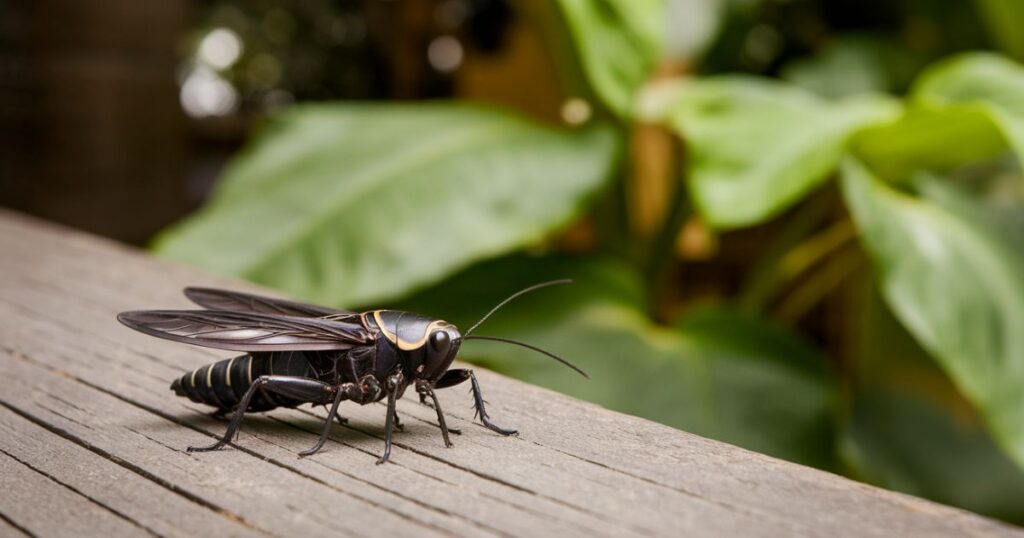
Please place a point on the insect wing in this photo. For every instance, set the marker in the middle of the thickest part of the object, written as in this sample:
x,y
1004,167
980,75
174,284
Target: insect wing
x,y
242,331
236,301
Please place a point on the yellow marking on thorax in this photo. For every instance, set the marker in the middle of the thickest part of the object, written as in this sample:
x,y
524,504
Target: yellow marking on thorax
x,y
249,370
380,323
402,344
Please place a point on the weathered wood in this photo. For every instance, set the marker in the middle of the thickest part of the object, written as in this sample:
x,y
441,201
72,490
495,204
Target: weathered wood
x,y
80,387
8,529
88,470
45,506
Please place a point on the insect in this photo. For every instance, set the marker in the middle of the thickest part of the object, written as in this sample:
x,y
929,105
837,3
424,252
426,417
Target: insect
x,y
298,353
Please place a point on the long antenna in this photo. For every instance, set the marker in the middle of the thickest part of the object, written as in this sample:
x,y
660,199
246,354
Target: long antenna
x,y
528,346
513,296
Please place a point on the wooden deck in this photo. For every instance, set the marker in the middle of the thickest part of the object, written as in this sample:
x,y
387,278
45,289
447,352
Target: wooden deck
x,y
91,442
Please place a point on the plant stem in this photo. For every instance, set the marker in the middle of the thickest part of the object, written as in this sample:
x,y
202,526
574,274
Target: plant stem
x,y
821,282
765,278
662,249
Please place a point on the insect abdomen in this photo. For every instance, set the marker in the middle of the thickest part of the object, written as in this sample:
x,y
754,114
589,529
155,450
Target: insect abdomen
x,y
223,383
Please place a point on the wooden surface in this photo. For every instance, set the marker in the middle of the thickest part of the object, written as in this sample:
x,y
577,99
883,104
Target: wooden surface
x,y
92,439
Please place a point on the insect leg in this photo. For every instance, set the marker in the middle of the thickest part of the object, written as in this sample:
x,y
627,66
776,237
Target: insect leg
x,y
298,388
454,377
389,424
451,378
425,390
341,420
339,395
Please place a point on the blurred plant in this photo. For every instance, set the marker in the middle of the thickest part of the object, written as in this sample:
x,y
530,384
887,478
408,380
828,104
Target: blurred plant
x,y
257,55
261,55
904,212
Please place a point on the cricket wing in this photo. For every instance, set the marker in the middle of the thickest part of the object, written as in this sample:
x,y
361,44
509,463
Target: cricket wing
x,y
246,331
236,301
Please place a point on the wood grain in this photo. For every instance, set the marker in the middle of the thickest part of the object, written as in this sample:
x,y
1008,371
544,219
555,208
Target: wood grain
x,y
86,418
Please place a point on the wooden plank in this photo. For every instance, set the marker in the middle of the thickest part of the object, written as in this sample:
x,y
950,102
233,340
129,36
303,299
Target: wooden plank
x,y
516,507
9,529
575,469
44,506
561,471
153,506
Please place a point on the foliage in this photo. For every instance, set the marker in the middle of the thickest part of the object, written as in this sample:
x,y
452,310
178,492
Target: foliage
x,y
618,43
721,380
432,206
741,171
355,203
923,251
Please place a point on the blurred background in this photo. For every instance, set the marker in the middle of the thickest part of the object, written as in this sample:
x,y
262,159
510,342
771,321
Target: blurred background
x,y
794,224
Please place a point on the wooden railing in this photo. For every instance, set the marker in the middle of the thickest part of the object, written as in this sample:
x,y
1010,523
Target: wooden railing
x,y
91,442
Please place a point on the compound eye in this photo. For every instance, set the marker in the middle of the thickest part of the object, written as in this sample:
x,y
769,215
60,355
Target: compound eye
x,y
439,340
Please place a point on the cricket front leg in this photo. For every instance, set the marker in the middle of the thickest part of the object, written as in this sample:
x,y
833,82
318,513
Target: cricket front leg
x,y
424,390
454,377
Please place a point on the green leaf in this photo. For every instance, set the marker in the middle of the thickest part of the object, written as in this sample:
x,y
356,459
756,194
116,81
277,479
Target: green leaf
x,y
849,65
963,110
998,211
352,203
719,374
909,443
757,146
929,137
907,428
989,81
619,43
957,288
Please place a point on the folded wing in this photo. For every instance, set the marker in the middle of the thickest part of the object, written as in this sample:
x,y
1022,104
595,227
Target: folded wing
x,y
248,331
236,301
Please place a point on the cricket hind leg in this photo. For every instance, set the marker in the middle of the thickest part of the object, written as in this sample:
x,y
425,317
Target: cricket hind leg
x,y
340,419
331,415
346,391
295,388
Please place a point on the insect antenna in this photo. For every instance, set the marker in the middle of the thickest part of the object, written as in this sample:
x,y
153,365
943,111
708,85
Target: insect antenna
x,y
528,346
513,296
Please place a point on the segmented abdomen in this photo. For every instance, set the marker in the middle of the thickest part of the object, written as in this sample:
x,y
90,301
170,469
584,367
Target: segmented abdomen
x,y
223,383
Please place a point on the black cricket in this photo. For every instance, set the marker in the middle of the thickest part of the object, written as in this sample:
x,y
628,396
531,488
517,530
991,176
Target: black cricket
x,y
300,353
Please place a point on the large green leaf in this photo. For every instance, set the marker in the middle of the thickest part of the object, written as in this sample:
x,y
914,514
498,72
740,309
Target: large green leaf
x,y
961,111
757,146
929,137
957,288
994,201
351,203
986,80
907,428
718,374
909,443
618,43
